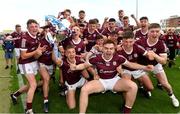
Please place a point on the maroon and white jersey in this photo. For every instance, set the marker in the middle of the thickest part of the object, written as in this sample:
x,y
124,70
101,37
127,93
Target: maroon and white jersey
x,y
79,46
159,48
171,40
107,69
79,22
133,56
28,44
107,31
91,37
139,35
46,56
17,42
70,76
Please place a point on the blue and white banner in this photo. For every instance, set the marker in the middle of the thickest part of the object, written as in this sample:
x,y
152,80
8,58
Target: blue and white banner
x,y
61,24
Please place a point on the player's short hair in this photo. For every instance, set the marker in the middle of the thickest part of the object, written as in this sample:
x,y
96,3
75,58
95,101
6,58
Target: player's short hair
x,y
113,33
92,21
128,35
31,21
143,18
125,17
128,29
69,47
109,42
120,11
81,11
99,37
18,25
154,25
67,10
81,25
112,20
97,21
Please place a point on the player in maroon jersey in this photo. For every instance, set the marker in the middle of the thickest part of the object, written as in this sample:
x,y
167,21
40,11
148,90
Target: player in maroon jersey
x,y
111,28
46,65
131,52
143,30
96,49
98,25
171,40
126,24
30,48
115,37
158,51
72,79
16,35
106,77
81,20
75,40
90,34
45,62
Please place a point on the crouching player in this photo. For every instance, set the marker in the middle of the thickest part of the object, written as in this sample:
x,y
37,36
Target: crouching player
x,y
107,76
132,52
158,51
73,79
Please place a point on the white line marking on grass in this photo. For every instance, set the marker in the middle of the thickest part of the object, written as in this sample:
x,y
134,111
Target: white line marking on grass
x,y
23,96
21,83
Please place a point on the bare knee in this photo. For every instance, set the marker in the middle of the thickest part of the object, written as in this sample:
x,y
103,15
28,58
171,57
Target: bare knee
x,y
33,85
85,90
46,80
70,99
132,86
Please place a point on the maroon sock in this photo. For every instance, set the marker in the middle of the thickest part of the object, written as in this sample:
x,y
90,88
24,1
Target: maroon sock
x,y
29,106
46,98
126,110
16,94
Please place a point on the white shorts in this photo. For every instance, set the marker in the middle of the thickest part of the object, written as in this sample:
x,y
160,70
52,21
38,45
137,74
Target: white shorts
x,y
29,68
109,84
136,73
79,84
158,69
17,52
48,67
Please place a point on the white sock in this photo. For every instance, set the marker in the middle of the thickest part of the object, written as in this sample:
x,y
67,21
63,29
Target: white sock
x,y
45,101
172,96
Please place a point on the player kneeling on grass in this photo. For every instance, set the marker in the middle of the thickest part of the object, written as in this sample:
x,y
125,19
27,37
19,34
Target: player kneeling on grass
x,y
106,77
132,52
73,79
